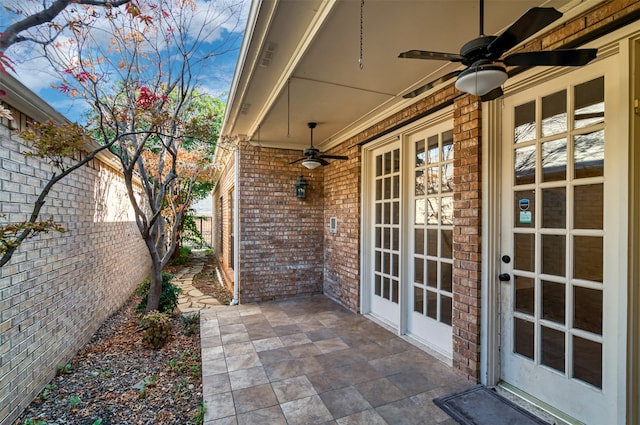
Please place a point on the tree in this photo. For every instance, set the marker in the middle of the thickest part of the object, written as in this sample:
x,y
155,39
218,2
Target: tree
x,y
139,73
21,30
202,106
60,145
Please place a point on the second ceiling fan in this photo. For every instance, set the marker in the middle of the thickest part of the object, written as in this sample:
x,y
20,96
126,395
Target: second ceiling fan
x,y
486,72
312,156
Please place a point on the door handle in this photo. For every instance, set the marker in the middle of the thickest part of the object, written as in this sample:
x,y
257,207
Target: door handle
x,y
504,277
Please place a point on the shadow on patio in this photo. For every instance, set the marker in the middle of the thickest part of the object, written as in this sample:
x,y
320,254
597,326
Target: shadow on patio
x,y
310,361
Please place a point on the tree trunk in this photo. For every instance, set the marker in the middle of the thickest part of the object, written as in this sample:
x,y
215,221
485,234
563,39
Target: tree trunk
x,y
176,252
155,288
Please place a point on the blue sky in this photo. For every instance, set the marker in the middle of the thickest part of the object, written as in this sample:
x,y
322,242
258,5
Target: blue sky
x,y
35,73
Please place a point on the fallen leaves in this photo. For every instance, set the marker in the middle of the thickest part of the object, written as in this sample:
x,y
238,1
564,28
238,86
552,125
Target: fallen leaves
x,y
116,379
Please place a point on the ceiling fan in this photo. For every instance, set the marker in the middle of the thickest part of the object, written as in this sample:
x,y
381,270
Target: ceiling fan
x,y
312,156
486,71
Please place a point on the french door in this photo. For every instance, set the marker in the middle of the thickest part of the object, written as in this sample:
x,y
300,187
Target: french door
x,y
562,247
430,280
385,249
410,234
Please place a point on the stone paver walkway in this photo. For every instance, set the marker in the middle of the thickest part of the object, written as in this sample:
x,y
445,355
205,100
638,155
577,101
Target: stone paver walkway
x,y
192,299
310,361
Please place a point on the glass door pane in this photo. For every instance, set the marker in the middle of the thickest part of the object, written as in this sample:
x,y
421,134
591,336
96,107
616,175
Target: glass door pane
x,y
433,252
558,230
387,225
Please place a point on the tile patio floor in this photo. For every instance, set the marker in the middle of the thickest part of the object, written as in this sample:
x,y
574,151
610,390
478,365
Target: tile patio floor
x,y
310,361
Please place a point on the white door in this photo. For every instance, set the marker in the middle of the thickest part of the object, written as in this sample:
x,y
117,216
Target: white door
x,y
430,256
563,244
384,285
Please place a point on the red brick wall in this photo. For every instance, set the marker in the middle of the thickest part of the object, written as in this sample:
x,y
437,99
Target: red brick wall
x,y
595,19
342,249
222,227
467,231
281,241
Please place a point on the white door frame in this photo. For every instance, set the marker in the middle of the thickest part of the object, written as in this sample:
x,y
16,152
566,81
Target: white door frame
x,y
623,42
428,332
367,217
633,331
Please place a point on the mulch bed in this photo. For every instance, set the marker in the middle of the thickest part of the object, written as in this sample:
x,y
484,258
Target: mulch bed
x,y
207,285
117,379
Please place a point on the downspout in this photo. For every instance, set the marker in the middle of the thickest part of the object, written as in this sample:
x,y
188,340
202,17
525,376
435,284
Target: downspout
x,y
236,229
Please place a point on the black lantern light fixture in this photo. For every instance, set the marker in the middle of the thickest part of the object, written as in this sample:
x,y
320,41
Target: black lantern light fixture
x,y
301,187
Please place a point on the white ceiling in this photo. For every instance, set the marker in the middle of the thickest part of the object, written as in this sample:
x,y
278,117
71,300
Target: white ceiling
x,y
314,74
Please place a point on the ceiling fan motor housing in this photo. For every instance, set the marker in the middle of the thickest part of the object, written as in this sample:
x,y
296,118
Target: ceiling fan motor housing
x,y
476,49
311,152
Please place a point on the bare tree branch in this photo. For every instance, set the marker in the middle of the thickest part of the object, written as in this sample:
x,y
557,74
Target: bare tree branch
x,y
41,200
11,35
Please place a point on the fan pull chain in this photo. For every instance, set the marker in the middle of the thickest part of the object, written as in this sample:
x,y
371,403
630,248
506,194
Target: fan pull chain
x,y
360,59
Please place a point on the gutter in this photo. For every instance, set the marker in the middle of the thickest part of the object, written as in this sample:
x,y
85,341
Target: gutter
x,y
236,232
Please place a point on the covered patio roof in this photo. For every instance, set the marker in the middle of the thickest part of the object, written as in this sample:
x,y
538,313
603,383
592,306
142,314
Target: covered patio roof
x,y
300,62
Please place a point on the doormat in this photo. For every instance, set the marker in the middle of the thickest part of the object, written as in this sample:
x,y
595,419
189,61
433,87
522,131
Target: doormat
x,y
483,406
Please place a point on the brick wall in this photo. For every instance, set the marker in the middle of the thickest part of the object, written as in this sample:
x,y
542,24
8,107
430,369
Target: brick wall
x,y
281,242
342,249
59,288
600,19
222,228
467,213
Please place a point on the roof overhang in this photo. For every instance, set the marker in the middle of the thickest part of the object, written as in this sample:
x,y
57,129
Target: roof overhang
x,y
300,62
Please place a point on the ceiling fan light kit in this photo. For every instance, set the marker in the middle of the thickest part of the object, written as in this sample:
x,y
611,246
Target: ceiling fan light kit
x,y
311,163
481,78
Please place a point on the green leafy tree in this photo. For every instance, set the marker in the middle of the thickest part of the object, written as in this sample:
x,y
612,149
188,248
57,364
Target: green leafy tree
x,y
202,106
141,87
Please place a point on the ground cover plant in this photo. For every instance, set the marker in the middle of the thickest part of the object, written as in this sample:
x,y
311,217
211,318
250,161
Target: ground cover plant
x,y
118,379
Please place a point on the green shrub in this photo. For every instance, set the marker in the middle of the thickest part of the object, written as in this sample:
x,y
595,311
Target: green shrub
x,y
183,256
64,369
191,323
157,329
168,296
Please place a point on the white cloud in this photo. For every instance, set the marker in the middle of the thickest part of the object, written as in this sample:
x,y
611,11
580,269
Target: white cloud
x,y
217,27
34,72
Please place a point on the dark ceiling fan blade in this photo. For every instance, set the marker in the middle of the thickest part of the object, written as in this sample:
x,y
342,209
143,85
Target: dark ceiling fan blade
x,y
493,94
297,160
321,161
569,57
423,54
528,24
431,84
341,157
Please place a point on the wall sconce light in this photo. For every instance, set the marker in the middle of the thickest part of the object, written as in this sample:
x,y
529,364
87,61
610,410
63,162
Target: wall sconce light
x,y
301,187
